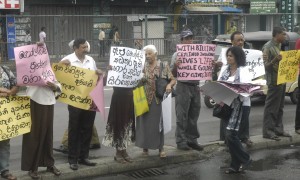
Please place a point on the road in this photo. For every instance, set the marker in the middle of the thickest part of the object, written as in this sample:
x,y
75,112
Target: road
x,y
272,164
207,124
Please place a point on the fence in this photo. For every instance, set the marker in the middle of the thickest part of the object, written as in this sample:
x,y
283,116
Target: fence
x,y
135,30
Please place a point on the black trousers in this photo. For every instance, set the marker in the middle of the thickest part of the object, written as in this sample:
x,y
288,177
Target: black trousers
x,y
297,119
80,133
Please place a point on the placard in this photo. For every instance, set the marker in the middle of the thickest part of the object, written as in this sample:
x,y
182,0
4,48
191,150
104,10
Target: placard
x,y
288,66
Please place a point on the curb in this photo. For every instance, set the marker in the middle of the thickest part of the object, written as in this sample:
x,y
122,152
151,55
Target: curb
x,y
106,165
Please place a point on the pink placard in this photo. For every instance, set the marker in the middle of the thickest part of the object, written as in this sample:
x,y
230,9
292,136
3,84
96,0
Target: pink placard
x,y
97,95
33,65
196,61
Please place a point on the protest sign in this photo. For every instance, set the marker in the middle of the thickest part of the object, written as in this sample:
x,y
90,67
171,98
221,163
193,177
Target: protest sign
x,y
33,65
77,83
226,91
254,62
196,61
288,66
15,116
97,95
127,66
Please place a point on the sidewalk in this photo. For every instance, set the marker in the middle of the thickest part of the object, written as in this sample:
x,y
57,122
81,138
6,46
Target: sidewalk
x,y
106,165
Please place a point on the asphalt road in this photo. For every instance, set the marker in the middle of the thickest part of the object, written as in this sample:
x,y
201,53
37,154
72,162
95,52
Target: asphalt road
x,y
207,124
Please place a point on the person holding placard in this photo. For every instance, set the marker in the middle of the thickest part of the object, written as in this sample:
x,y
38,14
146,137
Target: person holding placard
x,y
120,128
80,121
274,103
297,118
37,146
7,87
240,159
187,104
149,126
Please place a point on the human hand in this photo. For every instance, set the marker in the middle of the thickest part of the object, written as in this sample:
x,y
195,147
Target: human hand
x,y
99,72
4,92
51,85
168,88
65,62
177,63
109,67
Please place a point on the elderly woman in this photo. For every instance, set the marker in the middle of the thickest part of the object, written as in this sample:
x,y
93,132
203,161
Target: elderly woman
x,y
7,87
149,135
240,159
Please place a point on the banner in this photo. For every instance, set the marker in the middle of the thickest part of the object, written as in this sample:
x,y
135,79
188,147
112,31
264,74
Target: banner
x,y
15,116
97,95
33,65
196,61
254,62
127,67
77,83
288,66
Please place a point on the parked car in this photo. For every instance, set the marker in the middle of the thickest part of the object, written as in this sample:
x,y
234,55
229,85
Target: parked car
x,y
256,40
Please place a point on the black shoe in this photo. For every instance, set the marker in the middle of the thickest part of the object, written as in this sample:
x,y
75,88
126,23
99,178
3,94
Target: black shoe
x,y
87,162
95,146
61,149
195,146
183,147
74,166
284,134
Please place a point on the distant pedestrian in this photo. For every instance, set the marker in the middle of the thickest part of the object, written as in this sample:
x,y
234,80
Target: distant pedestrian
x,y
27,39
42,35
116,37
101,38
274,103
232,28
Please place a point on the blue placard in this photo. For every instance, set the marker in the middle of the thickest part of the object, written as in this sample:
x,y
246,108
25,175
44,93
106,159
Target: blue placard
x,y
11,37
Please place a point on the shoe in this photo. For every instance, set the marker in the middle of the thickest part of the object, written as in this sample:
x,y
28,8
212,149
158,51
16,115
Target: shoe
x,y
34,175
145,152
183,147
87,162
195,146
297,131
274,137
231,171
284,134
248,142
8,175
126,156
119,159
61,149
162,155
74,166
95,146
54,170
246,165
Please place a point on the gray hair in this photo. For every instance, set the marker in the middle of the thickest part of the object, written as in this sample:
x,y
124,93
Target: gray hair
x,y
151,48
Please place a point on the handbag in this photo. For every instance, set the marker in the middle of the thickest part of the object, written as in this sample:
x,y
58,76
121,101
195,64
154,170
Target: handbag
x,y
222,112
140,101
161,84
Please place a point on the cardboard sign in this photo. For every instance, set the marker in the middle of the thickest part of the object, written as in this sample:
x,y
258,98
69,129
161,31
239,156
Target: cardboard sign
x,y
33,66
15,116
127,67
288,66
77,83
196,61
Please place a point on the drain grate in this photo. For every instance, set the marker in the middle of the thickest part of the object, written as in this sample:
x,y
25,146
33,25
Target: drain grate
x,y
146,173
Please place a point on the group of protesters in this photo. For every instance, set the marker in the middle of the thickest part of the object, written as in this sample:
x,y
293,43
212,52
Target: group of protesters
x,y
146,131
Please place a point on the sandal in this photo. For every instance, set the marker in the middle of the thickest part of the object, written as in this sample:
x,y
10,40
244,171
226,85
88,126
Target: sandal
x,y
126,157
119,158
34,175
162,154
231,171
54,170
7,175
145,152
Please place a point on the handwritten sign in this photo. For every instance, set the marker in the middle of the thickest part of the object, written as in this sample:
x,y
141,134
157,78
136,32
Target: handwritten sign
x,y
254,61
288,66
196,61
33,65
127,66
77,83
15,116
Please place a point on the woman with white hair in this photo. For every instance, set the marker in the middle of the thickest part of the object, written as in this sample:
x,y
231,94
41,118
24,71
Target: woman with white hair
x,y
149,132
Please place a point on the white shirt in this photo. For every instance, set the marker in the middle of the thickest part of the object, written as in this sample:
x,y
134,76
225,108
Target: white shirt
x,y
42,94
88,62
42,36
101,35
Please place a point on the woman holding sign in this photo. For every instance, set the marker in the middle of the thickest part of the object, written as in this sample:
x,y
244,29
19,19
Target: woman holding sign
x,y
37,146
149,128
7,87
240,159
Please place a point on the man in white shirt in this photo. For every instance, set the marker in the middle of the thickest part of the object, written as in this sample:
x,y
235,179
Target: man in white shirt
x,y
42,35
80,121
101,43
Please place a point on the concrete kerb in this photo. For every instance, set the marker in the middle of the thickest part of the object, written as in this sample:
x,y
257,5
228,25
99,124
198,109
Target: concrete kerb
x,y
106,165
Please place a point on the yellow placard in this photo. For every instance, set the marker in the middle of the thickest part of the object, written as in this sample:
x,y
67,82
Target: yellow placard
x,y
15,116
77,83
288,66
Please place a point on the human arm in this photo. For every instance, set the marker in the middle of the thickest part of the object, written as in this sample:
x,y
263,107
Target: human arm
x,y
9,92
